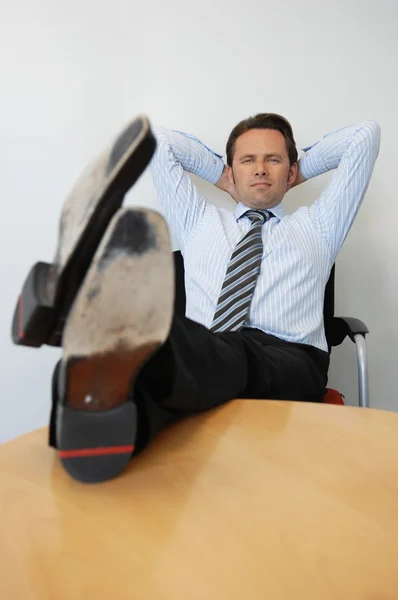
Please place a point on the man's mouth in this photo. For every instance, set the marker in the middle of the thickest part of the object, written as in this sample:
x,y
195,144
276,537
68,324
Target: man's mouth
x,y
261,184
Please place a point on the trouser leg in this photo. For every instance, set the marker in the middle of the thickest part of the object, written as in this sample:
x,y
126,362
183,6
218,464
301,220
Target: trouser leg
x,y
196,370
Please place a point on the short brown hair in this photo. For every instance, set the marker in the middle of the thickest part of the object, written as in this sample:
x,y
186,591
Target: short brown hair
x,y
263,121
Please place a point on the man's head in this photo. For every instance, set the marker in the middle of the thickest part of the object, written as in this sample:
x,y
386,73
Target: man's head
x,y
262,160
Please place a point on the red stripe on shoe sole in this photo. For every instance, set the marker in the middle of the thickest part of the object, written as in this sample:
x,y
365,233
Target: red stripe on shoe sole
x,y
103,451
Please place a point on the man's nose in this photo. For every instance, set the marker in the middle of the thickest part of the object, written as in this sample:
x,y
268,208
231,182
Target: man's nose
x,y
260,169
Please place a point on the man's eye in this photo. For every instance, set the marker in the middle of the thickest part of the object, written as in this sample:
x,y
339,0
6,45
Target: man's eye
x,y
247,160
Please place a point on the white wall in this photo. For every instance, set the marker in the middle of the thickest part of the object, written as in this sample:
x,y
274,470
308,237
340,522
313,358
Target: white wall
x,y
74,71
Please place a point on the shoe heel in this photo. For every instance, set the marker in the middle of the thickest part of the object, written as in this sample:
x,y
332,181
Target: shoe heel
x,y
34,316
96,446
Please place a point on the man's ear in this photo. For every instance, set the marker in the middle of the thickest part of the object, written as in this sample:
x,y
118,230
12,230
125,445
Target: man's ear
x,y
230,175
292,174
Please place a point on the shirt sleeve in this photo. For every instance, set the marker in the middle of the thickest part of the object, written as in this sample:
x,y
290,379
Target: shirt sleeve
x,y
176,155
352,151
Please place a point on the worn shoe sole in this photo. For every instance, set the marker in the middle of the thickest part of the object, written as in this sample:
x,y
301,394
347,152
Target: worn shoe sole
x,y
49,289
119,318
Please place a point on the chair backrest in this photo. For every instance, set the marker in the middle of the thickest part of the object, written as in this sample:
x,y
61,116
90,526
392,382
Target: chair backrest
x,y
328,305
328,310
180,298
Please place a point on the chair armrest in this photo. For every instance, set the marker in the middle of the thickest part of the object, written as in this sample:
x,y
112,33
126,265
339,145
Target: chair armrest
x,y
336,330
351,326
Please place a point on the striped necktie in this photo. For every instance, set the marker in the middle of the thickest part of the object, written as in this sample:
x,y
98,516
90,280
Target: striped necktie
x,y
241,276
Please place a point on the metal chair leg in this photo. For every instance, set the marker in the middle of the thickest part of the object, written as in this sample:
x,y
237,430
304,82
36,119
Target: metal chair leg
x,y
363,376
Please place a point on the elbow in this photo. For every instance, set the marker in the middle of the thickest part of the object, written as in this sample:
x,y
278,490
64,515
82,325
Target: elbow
x,y
162,141
372,133
160,134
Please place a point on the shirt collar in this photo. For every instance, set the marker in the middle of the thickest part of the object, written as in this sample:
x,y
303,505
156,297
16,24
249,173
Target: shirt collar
x,y
277,210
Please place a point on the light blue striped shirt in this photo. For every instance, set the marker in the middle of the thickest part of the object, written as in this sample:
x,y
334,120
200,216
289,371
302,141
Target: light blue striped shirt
x,y
299,249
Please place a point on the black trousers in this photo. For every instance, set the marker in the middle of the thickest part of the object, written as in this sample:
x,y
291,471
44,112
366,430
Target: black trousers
x,y
196,370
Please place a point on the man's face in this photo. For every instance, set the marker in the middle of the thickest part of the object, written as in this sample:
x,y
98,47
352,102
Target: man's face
x,y
260,169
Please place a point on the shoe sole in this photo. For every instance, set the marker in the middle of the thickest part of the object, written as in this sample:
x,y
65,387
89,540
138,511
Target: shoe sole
x,y
121,315
49,289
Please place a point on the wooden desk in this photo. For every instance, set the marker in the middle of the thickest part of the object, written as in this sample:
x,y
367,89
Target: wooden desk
x,y
255,500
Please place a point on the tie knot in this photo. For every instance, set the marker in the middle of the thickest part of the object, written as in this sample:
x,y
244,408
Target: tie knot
x,y
256,216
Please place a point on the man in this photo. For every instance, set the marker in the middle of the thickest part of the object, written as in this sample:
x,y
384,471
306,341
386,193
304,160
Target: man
x,y
255,277
276,347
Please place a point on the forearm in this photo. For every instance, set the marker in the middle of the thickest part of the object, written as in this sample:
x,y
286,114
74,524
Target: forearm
x,y
190,153
328,152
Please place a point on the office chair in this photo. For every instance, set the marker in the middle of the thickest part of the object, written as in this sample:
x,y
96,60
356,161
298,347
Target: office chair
x,y
336,330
